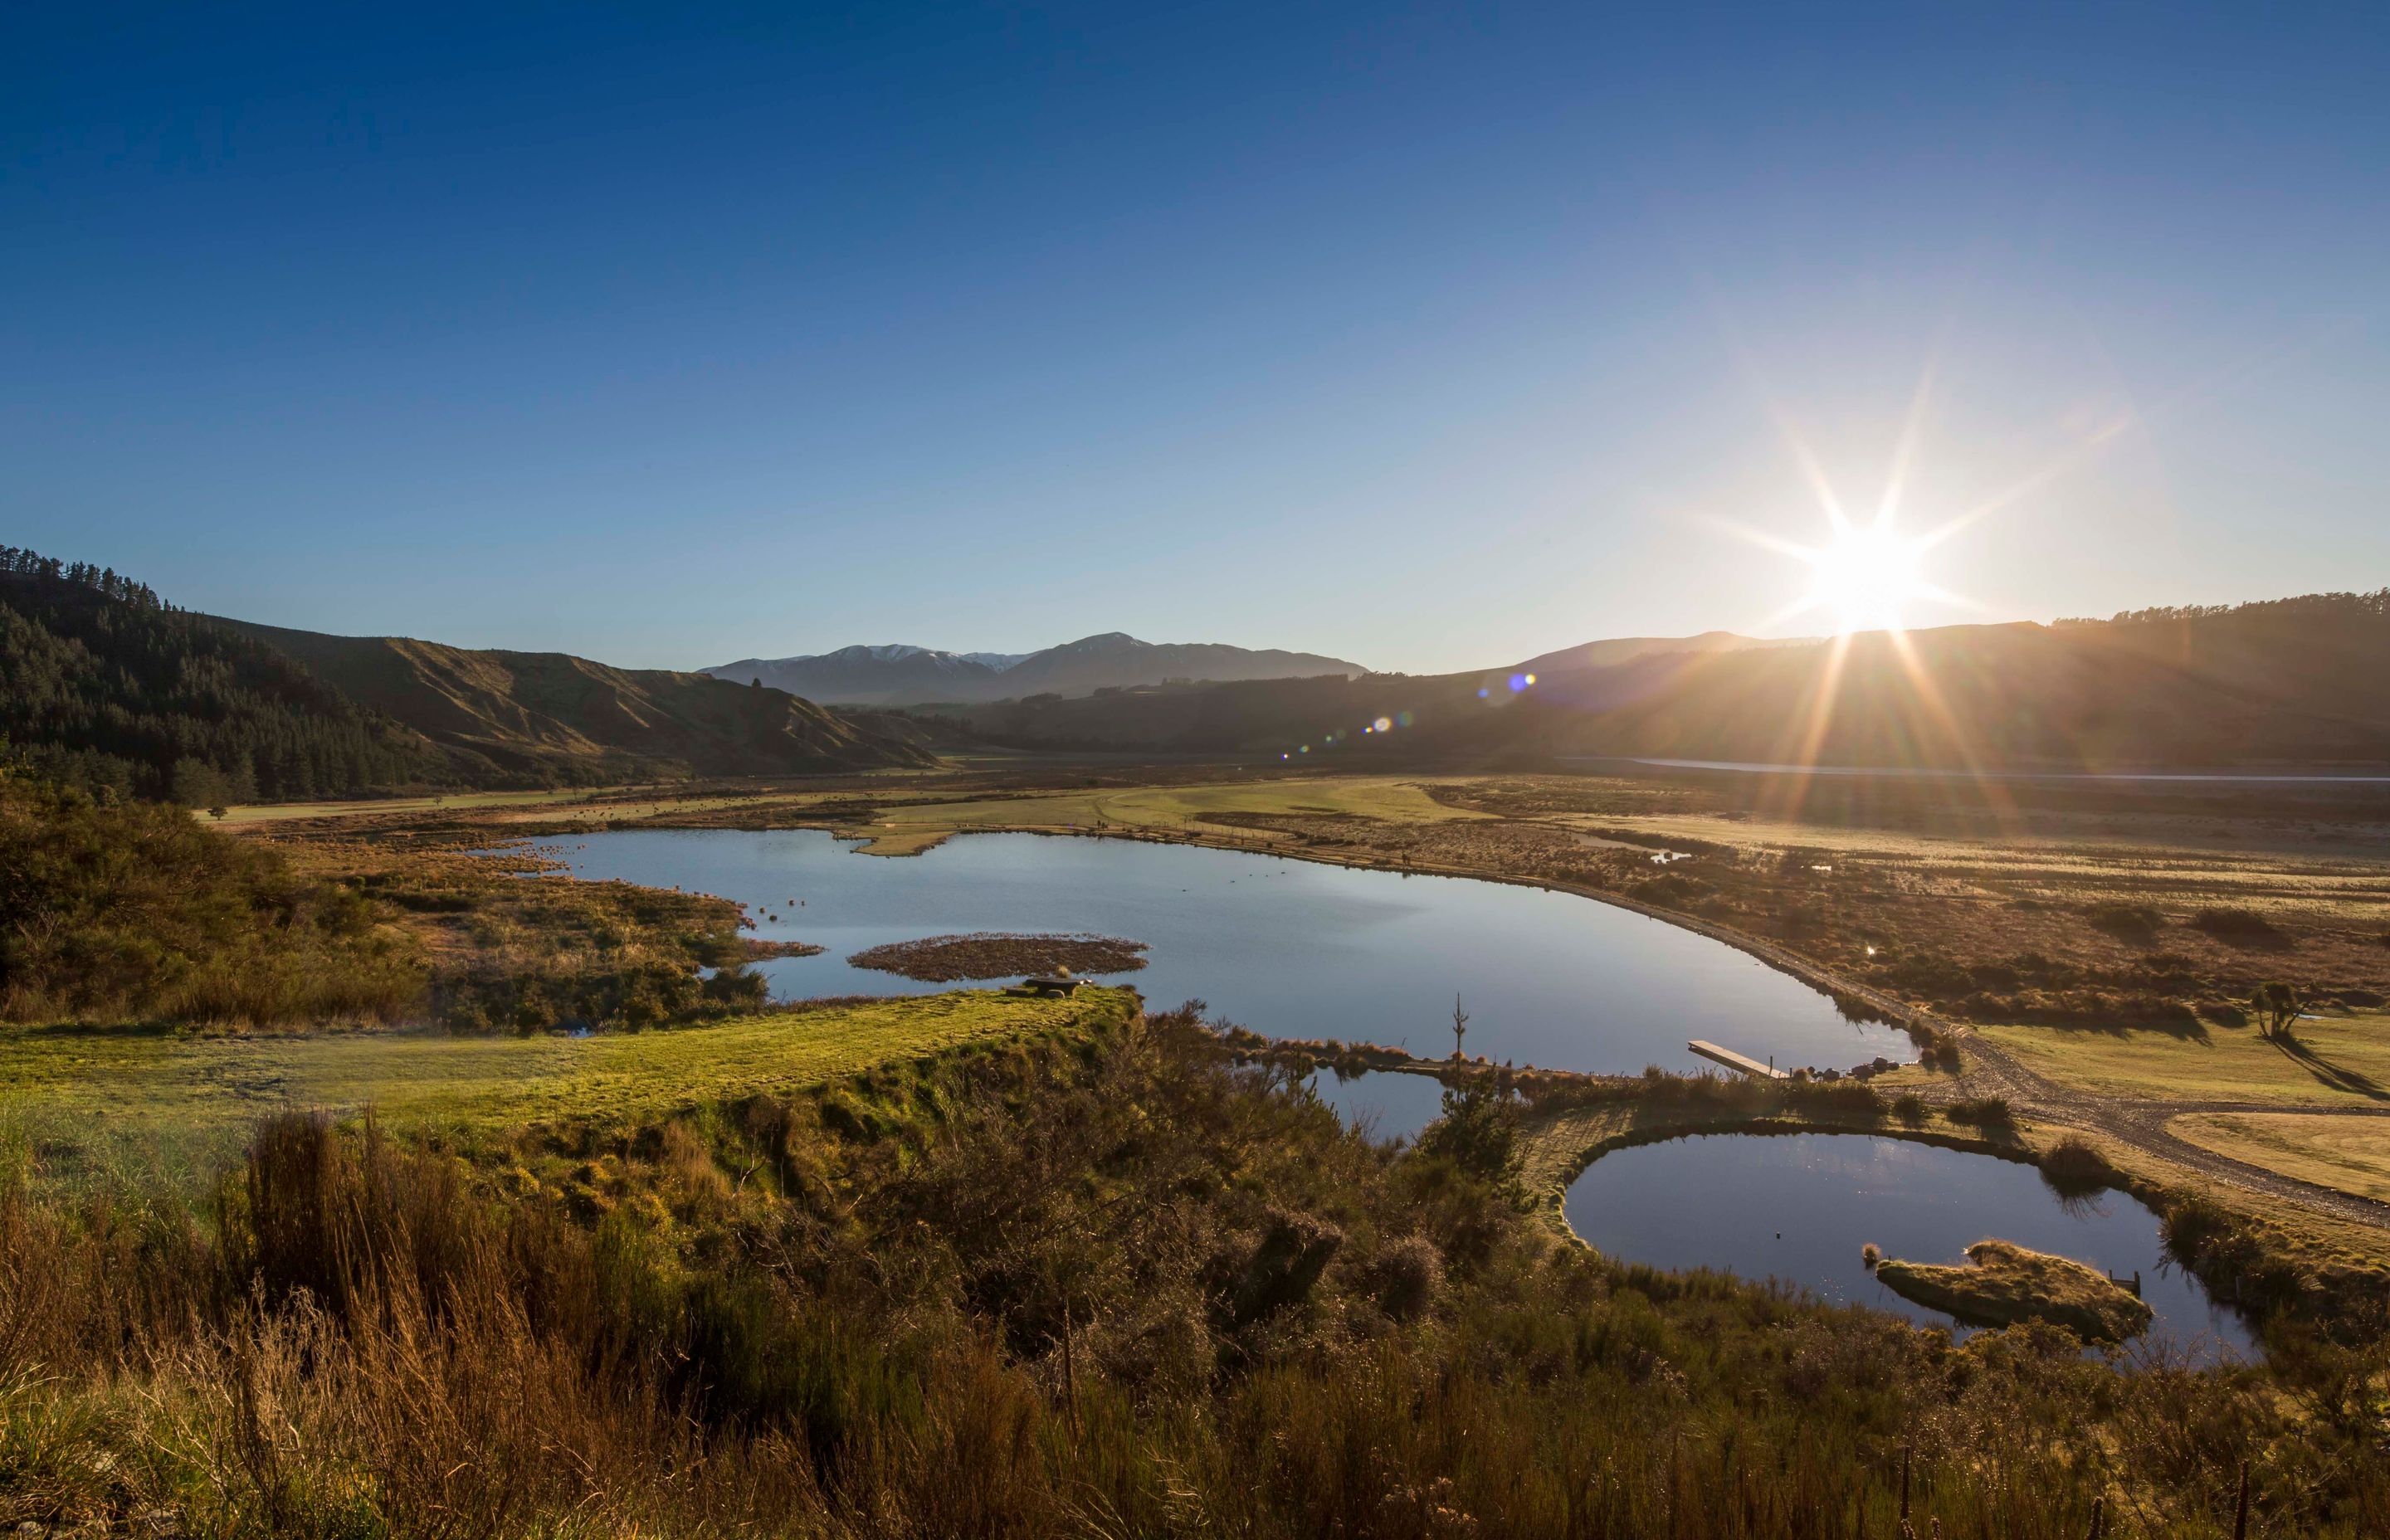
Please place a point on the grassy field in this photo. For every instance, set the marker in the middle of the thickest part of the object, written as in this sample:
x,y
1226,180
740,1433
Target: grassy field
x,y
2336,1060
903,830
2352,1154
192,1093
276,813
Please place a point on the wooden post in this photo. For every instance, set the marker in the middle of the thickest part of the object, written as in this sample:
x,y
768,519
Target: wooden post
x,y
1904,1484
2241,1508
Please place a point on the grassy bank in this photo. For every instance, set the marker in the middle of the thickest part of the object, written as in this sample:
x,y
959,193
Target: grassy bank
x,y
83,1090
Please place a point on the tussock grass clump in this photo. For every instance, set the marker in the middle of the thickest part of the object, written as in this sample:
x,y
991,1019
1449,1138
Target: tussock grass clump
x,y
2076,1168
2245,928
1982,1112
2137,923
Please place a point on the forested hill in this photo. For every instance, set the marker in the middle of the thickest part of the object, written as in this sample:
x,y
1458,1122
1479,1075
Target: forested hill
x,y
104,686
2290,683
557,718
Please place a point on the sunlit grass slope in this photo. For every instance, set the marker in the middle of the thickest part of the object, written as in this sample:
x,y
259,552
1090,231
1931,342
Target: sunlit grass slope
x,y
123,1086
2335,1060
2352,1154
1159,809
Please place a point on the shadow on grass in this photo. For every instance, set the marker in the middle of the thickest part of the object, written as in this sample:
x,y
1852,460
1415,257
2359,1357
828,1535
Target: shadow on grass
x,y
2332,1074
2189,1029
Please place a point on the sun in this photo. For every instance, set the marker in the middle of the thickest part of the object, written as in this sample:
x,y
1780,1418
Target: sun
x,y
1867,578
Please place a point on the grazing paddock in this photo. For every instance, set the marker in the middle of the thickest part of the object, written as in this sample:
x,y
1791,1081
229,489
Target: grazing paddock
x,y
2334,1061
2351,1154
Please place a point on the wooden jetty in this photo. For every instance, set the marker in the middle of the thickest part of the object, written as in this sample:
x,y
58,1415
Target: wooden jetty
x,y
1734,1060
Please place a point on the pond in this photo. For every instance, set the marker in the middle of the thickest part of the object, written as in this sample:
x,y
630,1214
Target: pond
x,y
1289,948
1798,1207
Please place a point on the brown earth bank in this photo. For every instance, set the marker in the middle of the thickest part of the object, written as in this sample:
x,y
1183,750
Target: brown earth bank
x,y
994,955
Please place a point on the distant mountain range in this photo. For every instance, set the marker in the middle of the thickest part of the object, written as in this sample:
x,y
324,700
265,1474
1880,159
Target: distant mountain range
x,y
103,683
903,676
2289,682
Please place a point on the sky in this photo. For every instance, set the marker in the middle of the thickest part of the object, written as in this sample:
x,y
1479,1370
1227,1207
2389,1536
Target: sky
x,y
1427,337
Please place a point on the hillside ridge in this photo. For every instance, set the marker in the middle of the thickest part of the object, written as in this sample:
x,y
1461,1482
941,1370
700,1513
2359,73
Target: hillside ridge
x,y
556,715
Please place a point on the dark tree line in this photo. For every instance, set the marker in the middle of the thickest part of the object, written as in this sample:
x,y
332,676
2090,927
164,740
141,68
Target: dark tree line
x,y
2374,606
106,687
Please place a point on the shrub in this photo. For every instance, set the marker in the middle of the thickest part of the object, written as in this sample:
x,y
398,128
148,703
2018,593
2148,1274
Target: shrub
x,y
2132,922
2076,1168
2238,928
1980,1111
1478,1130
1909,1107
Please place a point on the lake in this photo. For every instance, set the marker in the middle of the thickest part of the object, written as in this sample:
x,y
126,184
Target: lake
x,y
1798,1207
1289,948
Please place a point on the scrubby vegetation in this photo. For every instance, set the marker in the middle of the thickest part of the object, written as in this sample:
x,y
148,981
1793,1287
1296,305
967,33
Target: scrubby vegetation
x,y
114,913
1115,1285
133,912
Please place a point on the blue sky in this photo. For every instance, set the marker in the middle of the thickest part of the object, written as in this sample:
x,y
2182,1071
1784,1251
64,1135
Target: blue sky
x,y
1429,337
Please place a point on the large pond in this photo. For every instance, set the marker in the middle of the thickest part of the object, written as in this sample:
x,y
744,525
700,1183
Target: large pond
x,y
1798,1207
1291,948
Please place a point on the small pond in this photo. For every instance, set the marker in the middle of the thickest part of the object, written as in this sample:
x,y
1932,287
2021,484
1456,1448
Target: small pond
x,y
1289,948
1798,1207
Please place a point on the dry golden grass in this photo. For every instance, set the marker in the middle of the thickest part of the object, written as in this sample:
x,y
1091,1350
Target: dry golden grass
x,y
2349,1154
2335,1060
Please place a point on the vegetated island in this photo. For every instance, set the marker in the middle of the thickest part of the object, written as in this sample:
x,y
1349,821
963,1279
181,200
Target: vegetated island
x,y
996,954
2005,1284
758,951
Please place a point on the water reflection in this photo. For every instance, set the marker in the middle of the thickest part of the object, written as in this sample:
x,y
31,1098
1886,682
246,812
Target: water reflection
x,y
1384,1104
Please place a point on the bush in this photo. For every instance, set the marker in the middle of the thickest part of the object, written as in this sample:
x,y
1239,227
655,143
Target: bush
x,y
1478,1131
1981,1112
2238,928
133,911
2132,922
2076,1169
1909,1107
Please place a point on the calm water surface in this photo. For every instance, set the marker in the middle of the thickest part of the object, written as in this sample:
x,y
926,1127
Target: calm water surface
x,y
1799,1206
1291,948
1387,1104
